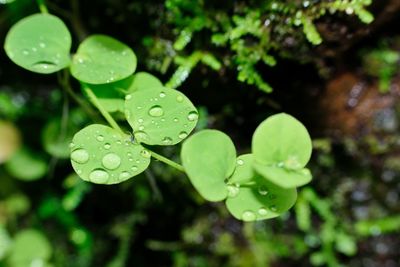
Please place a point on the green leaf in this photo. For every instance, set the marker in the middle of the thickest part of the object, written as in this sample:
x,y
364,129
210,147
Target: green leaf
x,y
101,59
27,166
282,176
110,96
39,43
263,200
29,247
160,116
209,157
100,154
310,31
281,139
144,81
10,140
244,171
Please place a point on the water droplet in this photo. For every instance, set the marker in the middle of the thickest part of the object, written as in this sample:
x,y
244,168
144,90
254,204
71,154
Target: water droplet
x,y
124,175
71,145
43,65
140,120
107,146
233,191
167,140
42,45
145,153
34,49
240,162
128,97
111,161
182,135
263,211
25,52
273,208
98,176
162,94
141,135
129,154
141,128
248,216
79,171
80,156
134,168
100,138
192,116
262,190
156,111
176,120
179,98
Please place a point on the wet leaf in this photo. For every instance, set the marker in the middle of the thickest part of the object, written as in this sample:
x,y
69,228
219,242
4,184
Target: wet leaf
x,y
102,59
39,43
160,116
100,154
209,157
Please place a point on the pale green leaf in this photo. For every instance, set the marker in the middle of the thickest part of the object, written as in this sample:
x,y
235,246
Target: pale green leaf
x,y
102,59
27,166
102,155
39,43
209,157
160,116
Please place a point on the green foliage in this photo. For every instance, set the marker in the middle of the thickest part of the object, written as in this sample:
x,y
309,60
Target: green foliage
x,y
254,34
22,158
46,52
102,59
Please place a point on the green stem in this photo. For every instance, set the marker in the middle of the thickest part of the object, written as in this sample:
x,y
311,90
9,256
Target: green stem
x,y
106,115
167,161
42,6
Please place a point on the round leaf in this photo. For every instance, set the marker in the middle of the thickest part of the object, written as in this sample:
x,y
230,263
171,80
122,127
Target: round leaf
x,y
244,172
282,176
262,201
160,116
102,59
39,43
56,142
27,166
29,246
100,154
282,139
209,157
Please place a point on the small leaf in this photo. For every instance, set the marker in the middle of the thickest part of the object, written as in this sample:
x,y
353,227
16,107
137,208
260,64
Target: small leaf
x,y
283,177
209,157
29,246
39,43
27,166
100,154
144,81
10,140
264,200
101,59
281,139
110,95
244,171
160,116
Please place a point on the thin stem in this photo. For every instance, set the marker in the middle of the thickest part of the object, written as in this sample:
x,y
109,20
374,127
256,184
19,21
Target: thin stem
x,y
106,115
42,6
63,80
167,161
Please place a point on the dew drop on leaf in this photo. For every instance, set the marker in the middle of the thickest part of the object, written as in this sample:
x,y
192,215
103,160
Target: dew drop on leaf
x,y
262,211
192,116
107,146
179,98
233,191
273,208
124,175
128,97
240,162
100,138
145,153
182,135
262,190
156,111
141,135
111,161
98,176
134,168
167,140
248,216
162,94
80,156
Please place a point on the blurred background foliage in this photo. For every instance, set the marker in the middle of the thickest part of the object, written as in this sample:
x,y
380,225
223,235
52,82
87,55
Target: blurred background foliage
x,y
333,64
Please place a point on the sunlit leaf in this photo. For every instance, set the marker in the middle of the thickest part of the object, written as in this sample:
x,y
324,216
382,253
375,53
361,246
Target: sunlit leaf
x,y
102,155
27,166
282,176
144,81
209,157
102,59
39,43
160,116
